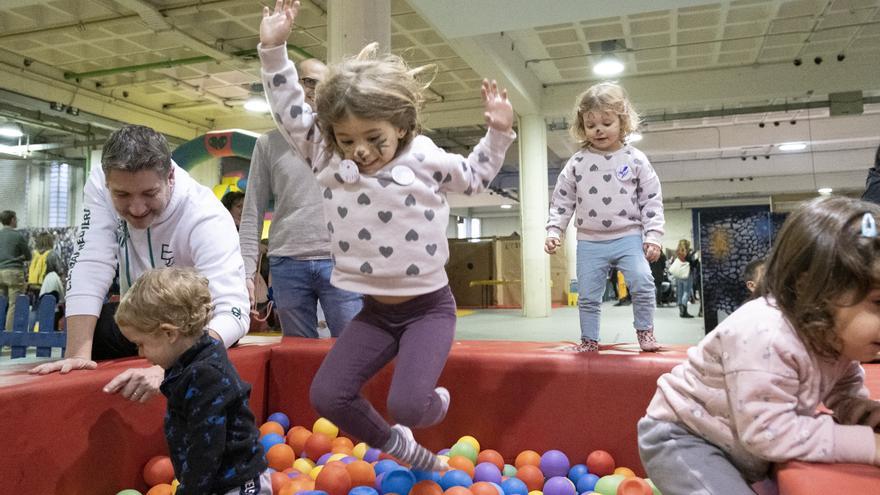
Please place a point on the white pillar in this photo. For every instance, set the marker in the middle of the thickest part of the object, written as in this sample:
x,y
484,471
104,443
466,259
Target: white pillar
x,y
571,250
352,24
533,200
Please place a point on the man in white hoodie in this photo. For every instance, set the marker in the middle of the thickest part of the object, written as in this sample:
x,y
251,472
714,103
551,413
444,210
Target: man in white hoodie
x,y
141,212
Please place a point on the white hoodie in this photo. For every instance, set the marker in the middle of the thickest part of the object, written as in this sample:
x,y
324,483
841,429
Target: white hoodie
x,y
195,230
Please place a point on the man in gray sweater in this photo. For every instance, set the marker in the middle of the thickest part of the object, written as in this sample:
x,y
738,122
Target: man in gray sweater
x,y
299,243
14,253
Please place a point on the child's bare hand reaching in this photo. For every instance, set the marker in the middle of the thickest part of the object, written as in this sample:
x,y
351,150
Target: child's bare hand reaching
x,y
276,24
498,110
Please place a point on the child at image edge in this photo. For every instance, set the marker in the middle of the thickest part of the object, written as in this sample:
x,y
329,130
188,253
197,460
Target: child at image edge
x,y
384,189
212,438
614,194
747,396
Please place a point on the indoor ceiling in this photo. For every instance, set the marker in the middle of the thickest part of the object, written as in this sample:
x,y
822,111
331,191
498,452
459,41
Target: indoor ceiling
x,y
187,66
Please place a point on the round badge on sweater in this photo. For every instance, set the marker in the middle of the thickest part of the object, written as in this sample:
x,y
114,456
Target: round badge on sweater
x,y
349,172
403,175
623,172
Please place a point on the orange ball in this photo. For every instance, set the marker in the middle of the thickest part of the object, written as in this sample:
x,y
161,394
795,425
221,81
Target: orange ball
x,y
361,472
317,445
493,456
334,479
159,470
271,427
426,487
600,463
532,476
280,456
484,488
528,457
457,490
297,437
279,481
625,472
297,485
462,463
160,489
341,445
634,486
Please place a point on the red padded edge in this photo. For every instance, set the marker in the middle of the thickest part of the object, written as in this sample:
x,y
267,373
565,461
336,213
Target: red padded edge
x,y
63,435
802,478
511,396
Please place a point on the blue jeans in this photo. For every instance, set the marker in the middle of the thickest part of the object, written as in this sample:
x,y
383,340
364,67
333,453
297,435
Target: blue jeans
x,y
298,285
594,258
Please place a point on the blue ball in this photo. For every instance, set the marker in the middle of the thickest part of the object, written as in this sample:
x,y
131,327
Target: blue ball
x,y
363,490
271,439
443,452
576,471
372,455
242,184
281,419
498,487
427,475
323,459
455,477
313,492
399,481
587,482
486,471
554,463
385,465
514,486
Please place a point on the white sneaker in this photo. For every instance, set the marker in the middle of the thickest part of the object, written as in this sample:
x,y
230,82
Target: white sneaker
x,y
445,399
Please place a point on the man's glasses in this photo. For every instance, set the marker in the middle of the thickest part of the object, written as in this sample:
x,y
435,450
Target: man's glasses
x,y
308,82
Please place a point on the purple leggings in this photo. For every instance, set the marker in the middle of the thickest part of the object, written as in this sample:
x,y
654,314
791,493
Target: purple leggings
x,y
419,332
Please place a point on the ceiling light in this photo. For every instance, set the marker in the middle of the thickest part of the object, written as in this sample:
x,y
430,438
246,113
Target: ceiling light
x,y
506,207
792,146
11,131
635,137
824,191
609,65
257,104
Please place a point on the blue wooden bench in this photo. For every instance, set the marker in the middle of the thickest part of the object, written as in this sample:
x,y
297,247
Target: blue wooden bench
x,y
20,337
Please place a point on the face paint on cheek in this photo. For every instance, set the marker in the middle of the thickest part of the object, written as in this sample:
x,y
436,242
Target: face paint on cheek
x,y
380,145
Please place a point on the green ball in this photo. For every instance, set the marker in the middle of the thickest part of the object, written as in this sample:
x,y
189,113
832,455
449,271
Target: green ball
x,y
607,485
653,487
129,492
509,471
464,449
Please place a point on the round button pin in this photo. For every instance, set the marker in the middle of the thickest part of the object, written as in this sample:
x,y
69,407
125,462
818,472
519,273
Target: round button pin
x,y
403,175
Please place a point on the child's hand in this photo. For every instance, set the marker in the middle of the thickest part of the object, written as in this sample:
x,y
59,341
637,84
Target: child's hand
x,y
652,251
499,111
276,25
550,245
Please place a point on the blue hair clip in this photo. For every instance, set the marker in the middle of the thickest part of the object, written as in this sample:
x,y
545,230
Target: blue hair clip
x,y
869,226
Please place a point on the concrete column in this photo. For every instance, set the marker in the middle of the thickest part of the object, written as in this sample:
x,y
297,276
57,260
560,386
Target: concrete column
x,y
571,243
533,199
352,24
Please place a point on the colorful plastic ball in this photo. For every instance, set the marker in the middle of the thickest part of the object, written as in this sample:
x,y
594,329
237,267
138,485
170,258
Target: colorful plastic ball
x,y
280,418
271,427
269,440
303,483
554,463
653,486
470,440
372,455
341,445
296,438
455,477
129,491
485,488
385,465
334,479
607,485
531,476
514,486
399,481
363,490
625,472
509,470
279,481
486,471
161,489
427,476
576,471
492,456
280,456
464,449
313,474
536,492
527,457
324,458
457,490
359,450
317,445
426,487
462,463
634,486
313,492
325,427
158,470
304,465
600,463
443,452
361,473
587,483
559,485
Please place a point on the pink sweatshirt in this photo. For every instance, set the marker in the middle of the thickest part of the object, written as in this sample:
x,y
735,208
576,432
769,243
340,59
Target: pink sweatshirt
x,y
752,388
611,195
388,230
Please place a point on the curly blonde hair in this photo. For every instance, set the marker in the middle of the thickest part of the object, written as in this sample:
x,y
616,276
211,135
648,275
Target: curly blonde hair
x,y
373,86
175,296
600,98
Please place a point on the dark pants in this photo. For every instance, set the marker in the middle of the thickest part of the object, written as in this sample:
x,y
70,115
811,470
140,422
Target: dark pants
x,y
108,342
419,333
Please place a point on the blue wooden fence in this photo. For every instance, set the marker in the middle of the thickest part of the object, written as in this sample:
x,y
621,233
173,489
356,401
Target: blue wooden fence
x,y
20,337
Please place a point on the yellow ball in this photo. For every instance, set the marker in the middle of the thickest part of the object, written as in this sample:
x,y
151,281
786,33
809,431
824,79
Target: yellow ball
x,y
536,492
323,425
313,474
174,484
471,440
303,465
336,457
360,450
625,471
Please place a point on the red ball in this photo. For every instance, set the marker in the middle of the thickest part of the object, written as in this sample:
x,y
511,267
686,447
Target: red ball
x,y
333,479
634,486
426,487
532,476
159,470
493,456
317,445
600,463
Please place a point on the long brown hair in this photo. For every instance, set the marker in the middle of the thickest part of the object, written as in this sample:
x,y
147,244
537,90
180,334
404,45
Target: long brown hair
x,y
821,261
